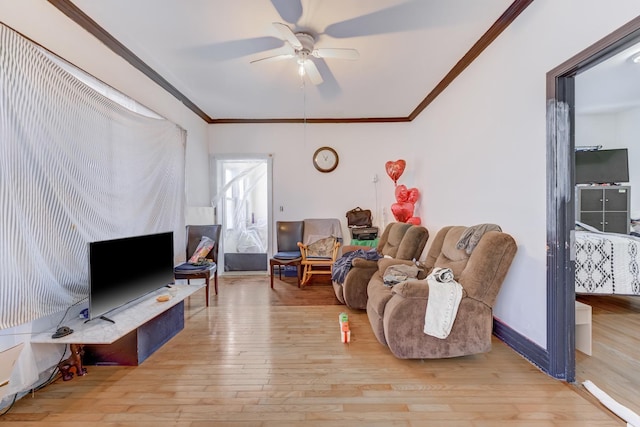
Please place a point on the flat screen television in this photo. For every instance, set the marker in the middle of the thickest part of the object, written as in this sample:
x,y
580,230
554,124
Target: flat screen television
x,y
125,269
602,166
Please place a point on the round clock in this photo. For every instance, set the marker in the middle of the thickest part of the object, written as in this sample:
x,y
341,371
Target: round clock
x,y
325,159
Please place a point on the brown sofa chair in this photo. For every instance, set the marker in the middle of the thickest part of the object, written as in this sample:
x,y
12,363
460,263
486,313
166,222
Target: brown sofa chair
x,y
399,241
397,314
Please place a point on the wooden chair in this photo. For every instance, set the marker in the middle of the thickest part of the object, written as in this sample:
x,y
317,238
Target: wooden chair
x,y
188,271
318,263
288,234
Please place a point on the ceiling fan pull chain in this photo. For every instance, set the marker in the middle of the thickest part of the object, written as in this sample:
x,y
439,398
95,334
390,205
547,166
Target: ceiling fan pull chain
x,y
304,110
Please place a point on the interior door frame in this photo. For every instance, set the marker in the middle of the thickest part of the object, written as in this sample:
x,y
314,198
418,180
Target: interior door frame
x,y
213,171
560,195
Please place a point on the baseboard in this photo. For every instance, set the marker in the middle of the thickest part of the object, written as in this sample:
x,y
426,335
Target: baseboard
x,y
522,345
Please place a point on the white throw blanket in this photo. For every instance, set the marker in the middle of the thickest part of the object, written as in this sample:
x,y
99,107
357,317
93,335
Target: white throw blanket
x,y
445,295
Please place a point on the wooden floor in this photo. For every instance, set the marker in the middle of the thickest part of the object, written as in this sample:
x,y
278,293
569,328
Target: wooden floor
x,y
614,365
246,362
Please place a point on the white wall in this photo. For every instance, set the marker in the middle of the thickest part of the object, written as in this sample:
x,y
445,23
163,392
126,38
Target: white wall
x,y
497,158
596,129
304,192
42,23
477,154
615,130
627,137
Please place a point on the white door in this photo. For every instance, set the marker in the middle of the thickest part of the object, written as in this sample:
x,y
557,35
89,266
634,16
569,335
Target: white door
x,y
243,206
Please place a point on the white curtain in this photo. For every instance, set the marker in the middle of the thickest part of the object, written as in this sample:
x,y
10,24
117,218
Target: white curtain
x,y
74,167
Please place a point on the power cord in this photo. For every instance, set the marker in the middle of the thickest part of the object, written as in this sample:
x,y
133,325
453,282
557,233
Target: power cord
x,y
49,380
69,308
57,326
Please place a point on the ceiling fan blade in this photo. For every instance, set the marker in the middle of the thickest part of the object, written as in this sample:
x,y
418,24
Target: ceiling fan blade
x,y
233,49
288,35
312,71
336,53
330,88
274,58
409,15
289,10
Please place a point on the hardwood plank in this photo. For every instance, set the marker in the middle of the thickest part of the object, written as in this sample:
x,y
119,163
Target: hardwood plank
x,y
245,361
614,365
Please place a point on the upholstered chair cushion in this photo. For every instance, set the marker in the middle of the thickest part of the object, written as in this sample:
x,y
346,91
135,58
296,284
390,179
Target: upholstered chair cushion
x,y
412,244
478,277
391,238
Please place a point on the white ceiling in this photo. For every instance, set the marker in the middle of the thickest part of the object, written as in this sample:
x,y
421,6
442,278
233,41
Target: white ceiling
x,y
204,48
611,86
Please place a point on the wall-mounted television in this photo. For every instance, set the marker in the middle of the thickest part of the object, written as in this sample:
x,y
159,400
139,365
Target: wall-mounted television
x,y
123,270
602,166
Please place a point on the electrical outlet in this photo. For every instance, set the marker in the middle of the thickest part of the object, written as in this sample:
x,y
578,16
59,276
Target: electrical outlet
x,y
374,178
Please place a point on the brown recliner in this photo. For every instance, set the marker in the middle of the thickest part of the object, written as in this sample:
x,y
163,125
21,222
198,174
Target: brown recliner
x,y
397,314
399,241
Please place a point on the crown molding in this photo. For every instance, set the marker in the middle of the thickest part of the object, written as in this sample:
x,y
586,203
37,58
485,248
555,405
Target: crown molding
x,y
83,20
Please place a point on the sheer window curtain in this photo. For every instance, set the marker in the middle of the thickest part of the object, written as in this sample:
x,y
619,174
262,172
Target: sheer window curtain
x,y
75,167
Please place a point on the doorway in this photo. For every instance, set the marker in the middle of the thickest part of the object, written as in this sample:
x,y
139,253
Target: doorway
x,y
242,202
560,189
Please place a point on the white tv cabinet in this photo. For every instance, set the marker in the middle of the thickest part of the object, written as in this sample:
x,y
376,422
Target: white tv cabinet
x,y
139,328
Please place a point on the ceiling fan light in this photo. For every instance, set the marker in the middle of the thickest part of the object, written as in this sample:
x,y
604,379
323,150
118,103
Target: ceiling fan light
x,y
301,69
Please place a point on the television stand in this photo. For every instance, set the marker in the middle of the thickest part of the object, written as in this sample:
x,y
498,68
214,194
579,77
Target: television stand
x,y
133,333
101,317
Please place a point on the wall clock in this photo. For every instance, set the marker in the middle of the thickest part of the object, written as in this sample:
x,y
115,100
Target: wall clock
x,y
325,159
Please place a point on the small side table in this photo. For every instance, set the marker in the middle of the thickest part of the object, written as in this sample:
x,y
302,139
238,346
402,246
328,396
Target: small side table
x,y
583,328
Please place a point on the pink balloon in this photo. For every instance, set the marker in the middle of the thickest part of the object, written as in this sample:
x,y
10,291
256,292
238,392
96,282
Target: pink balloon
x,y
402,194
402,211
414,220
395,169
413,194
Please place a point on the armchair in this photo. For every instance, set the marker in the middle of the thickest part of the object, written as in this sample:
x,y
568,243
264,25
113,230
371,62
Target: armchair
x,y
288,234
319,246
318,257
189,271
399,241
397,314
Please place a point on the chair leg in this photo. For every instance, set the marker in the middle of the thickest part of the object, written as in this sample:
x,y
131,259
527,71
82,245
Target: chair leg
x,y
206,289
271,273
306,274
215,281
298,273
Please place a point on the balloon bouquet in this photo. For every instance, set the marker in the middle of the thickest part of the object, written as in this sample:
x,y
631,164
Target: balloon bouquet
x,y
406,198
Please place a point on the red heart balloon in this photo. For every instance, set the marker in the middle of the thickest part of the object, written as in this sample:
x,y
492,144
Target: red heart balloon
x,y
395,169
413,194
402,194
402,211
414,220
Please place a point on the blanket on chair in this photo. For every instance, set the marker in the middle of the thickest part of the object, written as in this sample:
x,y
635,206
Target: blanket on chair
x,y
343,264
445,295
472,235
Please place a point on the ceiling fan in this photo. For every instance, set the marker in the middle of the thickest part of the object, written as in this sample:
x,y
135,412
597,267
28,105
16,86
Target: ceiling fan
x,y
303,49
